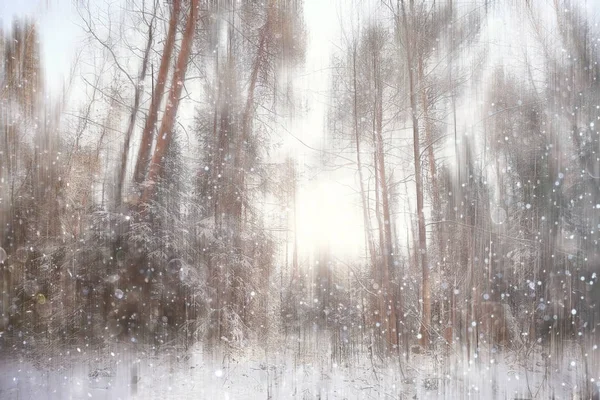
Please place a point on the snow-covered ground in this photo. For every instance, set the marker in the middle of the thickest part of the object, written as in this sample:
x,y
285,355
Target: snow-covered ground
x,y
122,373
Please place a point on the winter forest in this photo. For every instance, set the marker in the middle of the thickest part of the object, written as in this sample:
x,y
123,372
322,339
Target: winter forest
x,y
300,199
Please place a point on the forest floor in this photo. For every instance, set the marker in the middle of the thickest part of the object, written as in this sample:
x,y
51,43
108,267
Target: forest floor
x,y
127,371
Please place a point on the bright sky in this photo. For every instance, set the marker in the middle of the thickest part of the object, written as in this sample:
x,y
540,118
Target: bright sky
x,y
328,212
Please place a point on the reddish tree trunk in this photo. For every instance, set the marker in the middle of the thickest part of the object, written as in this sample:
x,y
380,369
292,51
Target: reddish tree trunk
x,y
146,142
165,134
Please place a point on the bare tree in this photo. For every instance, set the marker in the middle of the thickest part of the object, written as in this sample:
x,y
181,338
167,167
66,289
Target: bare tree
x,y
122,171
409,42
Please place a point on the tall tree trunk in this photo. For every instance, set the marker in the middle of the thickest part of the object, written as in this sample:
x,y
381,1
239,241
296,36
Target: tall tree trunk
x,y
248,113
217,155
134,111
390,306
295,266
165,134
426,285
435,190
366,217
146,142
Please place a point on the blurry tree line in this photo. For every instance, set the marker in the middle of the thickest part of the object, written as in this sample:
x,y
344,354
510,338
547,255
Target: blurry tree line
x,y
110,228
118,222
481,234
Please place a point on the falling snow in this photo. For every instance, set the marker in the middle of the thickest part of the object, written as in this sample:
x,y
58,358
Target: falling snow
x,y
299,199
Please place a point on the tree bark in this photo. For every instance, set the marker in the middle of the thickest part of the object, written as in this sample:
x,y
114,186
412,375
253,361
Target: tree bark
x,y
136,105
146,142
165,133
426,285
363,195
435,190
390,306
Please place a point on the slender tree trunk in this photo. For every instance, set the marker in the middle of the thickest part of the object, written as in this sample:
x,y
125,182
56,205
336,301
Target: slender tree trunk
x,y
248,114
435,190
381,266
295,266
378,215
133,117
387,247
426,285
387,301
216,156
165,133
369,240
363,195
223,129
146,142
